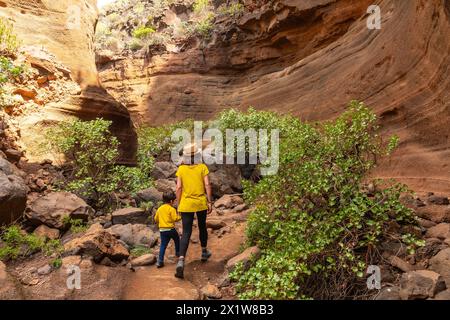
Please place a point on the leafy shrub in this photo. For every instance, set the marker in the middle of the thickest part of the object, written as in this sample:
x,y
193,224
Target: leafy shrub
x,y
153,141
56,263
234,10
316,228
20,244
92,152
143,32
135,44
139,251
9,42
200,5
204,26
76,225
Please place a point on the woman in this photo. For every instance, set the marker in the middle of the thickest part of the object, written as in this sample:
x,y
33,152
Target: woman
x,y
194,197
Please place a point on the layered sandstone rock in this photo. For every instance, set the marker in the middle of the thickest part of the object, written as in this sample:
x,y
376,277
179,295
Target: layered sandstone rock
x,y
66,30
311,58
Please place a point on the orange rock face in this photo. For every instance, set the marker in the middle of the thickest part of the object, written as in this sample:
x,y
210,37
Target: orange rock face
x,y
310,58
66,30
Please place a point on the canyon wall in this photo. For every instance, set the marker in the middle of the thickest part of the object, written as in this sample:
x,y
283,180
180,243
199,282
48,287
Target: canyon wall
x,y
310,58
65,29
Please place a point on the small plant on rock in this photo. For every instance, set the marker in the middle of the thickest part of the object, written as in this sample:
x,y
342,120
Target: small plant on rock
x,y
92,152
143,32
139,250
9,43
17,243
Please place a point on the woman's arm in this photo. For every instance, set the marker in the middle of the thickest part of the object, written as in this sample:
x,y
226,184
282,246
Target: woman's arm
x,y
208,192
179,190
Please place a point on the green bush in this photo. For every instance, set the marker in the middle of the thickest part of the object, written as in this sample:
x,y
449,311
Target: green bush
x,y
20,244
316,228
92,151
143,32
9,42
135,44
153,141
75,225
234,10
200,5
139,251
204,26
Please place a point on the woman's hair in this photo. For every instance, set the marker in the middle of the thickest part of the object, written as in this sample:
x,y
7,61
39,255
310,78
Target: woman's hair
x,y
169,196
191,160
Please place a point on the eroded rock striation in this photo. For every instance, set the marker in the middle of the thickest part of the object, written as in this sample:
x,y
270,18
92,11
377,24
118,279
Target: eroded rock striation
x,y
309,58
66,30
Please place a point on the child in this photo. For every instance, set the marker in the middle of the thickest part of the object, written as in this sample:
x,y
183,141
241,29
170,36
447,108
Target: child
x,y
165,217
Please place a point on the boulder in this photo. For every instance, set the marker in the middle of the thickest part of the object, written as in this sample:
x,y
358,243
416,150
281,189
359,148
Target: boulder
x,y
228,202
388,293
144,260
149,195
440,263
226,180
130,215
439,200
400,264
165,185
424,223
134,234
244,258
421,284
240,208
47,233
13,198
10,169
97,243
211,291
53,208
215,224
440,231
443,295
45,270
13,154
434,213
164,170
430,249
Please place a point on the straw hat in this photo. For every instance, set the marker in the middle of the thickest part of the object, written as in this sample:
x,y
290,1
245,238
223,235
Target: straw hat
x,y
191,149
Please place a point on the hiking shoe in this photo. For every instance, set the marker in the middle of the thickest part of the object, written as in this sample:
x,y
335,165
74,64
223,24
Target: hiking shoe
x,y
205,255
159,264
180,269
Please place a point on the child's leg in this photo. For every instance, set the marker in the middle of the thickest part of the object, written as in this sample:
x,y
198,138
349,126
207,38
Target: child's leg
x,y
176,239
165,238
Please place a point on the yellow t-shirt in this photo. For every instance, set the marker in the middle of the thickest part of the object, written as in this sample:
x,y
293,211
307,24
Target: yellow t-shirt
x,y
166,216
193,197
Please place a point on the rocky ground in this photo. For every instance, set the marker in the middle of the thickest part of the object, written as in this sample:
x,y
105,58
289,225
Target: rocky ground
x,y
110,269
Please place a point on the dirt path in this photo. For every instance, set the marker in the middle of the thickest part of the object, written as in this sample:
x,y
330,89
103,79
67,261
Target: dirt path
x,y
150,283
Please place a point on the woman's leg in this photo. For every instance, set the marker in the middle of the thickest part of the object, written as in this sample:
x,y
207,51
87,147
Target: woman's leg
x,y
187,219
201,220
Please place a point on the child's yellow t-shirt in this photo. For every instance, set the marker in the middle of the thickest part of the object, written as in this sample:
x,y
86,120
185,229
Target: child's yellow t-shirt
x,y
166,216
193,197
